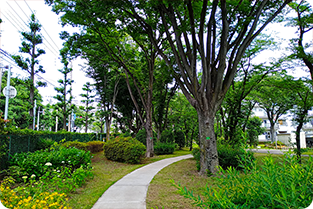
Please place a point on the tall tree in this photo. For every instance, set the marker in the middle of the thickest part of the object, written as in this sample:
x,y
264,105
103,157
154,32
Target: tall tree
x,y
304,22
178,28
275,99
29,46
64,96
303,103
88,100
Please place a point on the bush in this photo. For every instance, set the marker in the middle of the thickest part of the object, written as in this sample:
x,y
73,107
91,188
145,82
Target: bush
x,y
272,185
26,164
122,149
180,138
44,144
167,136
164,148
76,144
142,136
228,156
95,146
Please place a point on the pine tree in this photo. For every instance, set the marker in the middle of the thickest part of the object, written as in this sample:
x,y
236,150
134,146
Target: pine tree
x,y
88,101
31,63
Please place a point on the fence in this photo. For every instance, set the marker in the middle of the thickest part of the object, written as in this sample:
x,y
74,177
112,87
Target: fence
x,y
11,144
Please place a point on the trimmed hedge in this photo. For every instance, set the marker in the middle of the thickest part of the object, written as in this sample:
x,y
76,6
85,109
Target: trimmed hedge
x,y
95,146
124,149
164,148
76,144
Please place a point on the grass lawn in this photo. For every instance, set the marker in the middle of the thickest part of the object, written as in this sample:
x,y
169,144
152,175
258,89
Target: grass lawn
x,y
107,173
161,192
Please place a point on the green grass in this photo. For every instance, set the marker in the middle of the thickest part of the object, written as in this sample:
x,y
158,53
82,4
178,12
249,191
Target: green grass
x,y
107,173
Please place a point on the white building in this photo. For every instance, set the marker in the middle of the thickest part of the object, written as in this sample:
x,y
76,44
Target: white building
x,y
285,129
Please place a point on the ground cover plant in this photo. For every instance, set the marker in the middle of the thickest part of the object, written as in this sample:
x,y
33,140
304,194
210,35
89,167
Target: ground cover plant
x,y
286,184
44,178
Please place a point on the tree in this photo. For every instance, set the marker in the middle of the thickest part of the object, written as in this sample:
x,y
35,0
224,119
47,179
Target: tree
x,y
304,23
254,129
303,103
275,99
177,29
88,100
29,46
19,105
63,92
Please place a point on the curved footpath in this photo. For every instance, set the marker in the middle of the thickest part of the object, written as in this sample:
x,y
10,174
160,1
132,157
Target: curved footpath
x,y
131,191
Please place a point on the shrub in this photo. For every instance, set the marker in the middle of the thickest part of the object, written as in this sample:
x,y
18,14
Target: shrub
x,y
164,148
179,137
122,149
142,136
228,156
23,200
76,144
95,146
167,136
26,164
44,144
272,185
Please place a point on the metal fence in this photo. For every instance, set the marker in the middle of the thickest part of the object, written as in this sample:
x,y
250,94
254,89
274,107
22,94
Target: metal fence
x,y
11,144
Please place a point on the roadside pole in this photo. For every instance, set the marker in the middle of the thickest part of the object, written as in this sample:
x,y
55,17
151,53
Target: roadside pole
x,y
7,94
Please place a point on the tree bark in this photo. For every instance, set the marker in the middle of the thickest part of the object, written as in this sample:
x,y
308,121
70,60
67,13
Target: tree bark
x,y
208,150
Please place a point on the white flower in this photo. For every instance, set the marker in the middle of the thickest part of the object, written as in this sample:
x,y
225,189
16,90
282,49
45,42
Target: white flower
x,y
69,161
58,171
63,162
24,177
33,176
48,164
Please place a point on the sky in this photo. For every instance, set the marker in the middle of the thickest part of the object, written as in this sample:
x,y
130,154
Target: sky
x,y
15,15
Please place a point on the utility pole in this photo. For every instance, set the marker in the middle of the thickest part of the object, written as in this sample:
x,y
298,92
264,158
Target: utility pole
x,y
7,94
38,118
34,120
56,123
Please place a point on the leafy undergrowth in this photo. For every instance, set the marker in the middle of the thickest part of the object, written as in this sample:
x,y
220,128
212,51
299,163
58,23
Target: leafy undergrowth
x,y
106,173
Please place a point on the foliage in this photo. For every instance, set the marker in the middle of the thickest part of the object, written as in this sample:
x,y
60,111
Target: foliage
x,y
26,164
142,136
29,46
228,156
76,144
122,149
167,136
64,100
44,143
179,137
254,129
164,148
11,199
88,100
95,146
272,185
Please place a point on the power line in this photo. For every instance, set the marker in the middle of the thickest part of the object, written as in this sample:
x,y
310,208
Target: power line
x,y
41,24
18,15
15,20
12,62
11,22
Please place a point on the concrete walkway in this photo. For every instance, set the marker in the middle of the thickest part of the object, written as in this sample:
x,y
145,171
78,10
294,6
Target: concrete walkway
x,y
131,191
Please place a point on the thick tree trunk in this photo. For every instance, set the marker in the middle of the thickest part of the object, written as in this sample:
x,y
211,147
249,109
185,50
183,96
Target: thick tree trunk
x,y
208,150
108,126
149,139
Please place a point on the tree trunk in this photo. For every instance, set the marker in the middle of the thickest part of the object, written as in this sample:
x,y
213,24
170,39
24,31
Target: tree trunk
x,y
208,150
272,131
108,126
